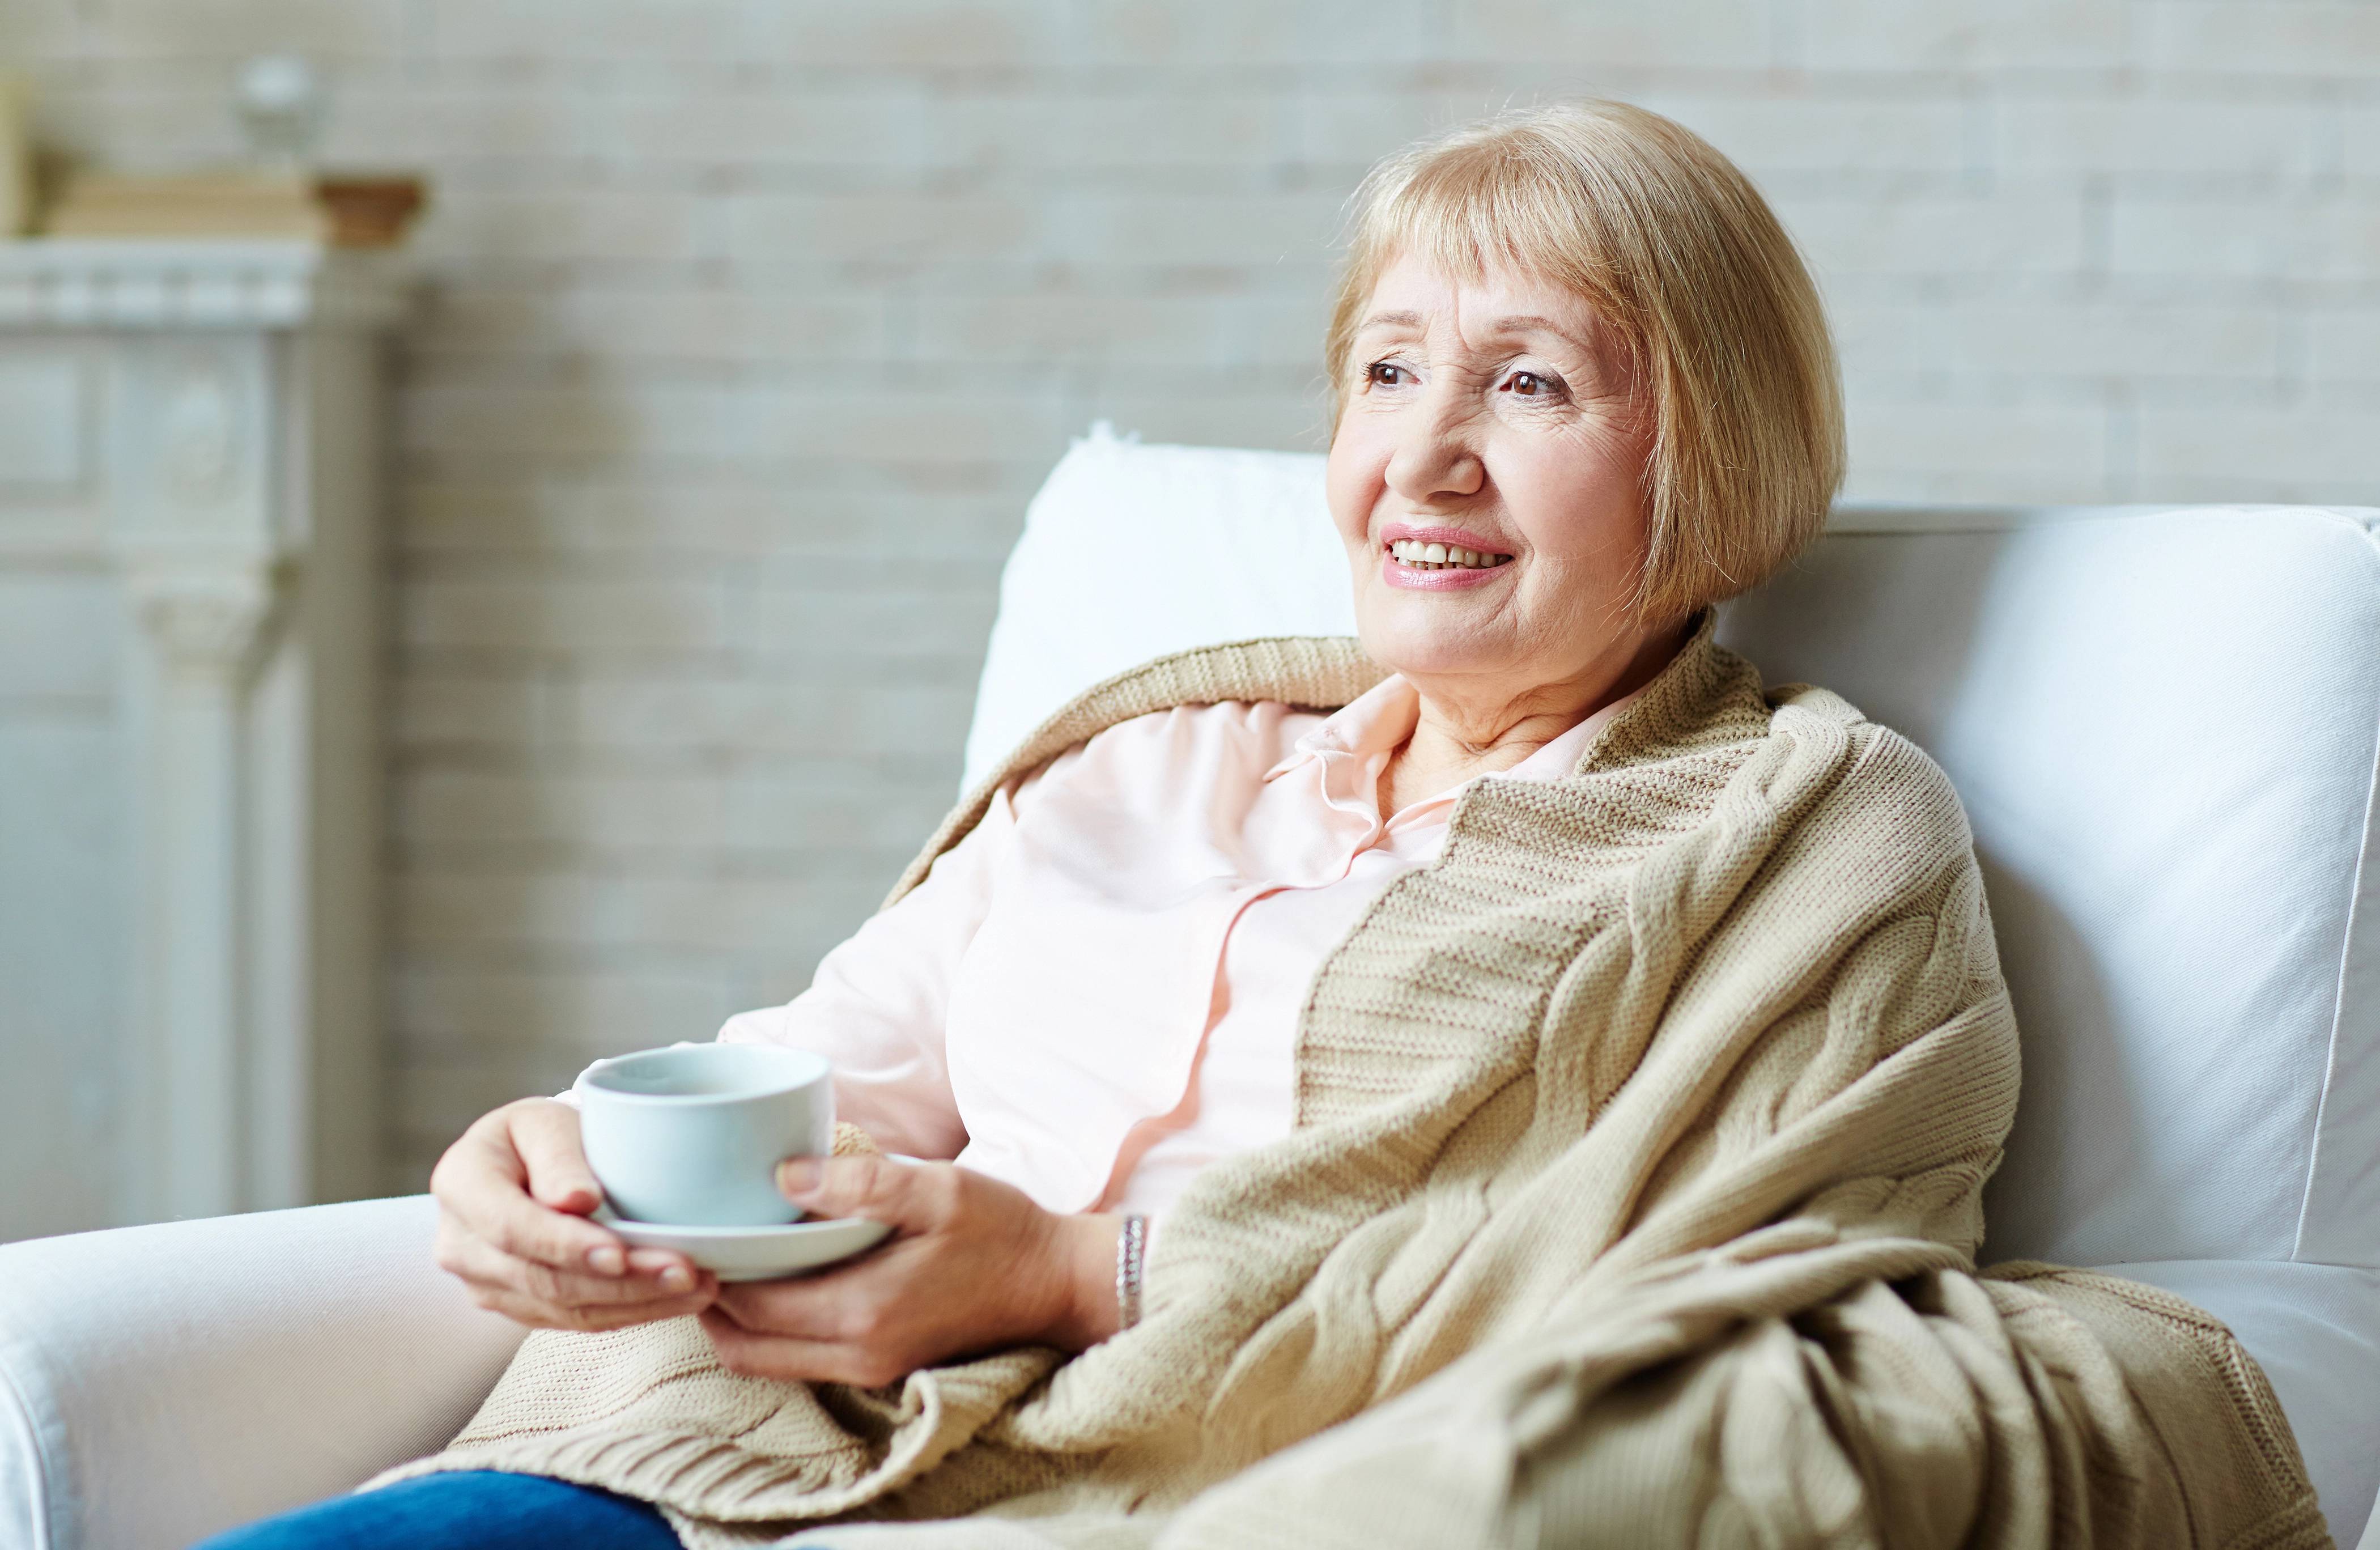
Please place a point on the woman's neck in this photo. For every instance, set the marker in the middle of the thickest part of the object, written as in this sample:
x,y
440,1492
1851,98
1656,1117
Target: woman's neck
x,y
1466,729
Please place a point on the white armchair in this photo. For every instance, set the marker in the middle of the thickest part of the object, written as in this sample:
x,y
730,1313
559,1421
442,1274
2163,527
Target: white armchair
x,y
2176,858
158,1383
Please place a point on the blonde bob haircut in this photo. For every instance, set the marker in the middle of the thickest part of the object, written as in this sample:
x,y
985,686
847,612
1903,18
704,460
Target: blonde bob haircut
x,y
1681,256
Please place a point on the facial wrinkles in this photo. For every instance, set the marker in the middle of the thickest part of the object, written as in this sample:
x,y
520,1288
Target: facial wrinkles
x,y
1467,374
1453,461
1447,452
1444,465
1555,482
1462,381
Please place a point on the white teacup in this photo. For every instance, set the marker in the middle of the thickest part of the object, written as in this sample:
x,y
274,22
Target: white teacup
x,y
692,1135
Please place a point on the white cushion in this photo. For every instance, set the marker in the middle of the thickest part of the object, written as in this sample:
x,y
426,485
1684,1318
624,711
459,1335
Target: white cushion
x,y
1130,552
2165,723
2164,726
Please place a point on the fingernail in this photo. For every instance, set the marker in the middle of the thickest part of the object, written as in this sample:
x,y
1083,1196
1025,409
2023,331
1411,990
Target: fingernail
x,y
797,1176
676,1278
606,1260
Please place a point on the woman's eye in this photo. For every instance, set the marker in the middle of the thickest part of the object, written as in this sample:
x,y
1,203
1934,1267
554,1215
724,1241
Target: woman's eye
x,y
1388,373
1528,384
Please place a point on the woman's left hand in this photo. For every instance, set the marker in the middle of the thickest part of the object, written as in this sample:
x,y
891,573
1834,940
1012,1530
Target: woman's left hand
x,y
972,1265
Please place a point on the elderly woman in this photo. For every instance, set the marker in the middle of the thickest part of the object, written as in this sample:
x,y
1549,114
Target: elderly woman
x,y
1531,1084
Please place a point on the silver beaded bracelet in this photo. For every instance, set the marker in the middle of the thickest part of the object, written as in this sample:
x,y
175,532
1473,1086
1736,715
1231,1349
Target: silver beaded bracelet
x,y
1130,1244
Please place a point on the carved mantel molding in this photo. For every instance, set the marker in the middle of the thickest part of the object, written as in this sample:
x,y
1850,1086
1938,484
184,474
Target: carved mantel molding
x,y
127,283
208,619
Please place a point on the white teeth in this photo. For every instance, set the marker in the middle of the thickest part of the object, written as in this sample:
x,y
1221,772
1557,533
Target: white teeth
x,y
1413,552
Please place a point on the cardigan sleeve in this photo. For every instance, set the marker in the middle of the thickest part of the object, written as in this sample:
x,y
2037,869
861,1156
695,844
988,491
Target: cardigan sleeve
x,y
878,1004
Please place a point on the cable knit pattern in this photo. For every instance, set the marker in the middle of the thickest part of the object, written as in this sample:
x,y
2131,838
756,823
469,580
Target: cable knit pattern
x,y
1633,1200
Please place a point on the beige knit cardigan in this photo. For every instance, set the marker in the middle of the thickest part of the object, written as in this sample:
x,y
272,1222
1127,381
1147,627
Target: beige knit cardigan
x,y
1632,1200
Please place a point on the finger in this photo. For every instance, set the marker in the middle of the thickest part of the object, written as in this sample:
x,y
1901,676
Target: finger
x,y
545,1133
805,1309
482,1182
789,1359
913,1197
482,1159
656,1262
482,1178
483,1264
522,1229
529,1311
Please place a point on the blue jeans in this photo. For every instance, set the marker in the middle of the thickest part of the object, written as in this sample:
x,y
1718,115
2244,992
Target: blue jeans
x,y
463,1510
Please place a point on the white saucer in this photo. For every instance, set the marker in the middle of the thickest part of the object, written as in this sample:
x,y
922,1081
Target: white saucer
x,y
754,1253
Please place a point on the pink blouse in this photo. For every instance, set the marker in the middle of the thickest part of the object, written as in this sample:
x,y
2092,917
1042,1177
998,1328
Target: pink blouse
x,y
1095,994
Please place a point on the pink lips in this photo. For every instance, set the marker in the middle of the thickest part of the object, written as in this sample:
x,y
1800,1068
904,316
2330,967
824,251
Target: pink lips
x,y
1460,538
1452,578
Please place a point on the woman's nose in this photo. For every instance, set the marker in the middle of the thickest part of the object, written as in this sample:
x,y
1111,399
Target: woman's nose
x,y
1433,458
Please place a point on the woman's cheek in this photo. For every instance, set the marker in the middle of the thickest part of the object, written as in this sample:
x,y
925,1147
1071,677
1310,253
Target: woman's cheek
x,y
1352,483
1586,510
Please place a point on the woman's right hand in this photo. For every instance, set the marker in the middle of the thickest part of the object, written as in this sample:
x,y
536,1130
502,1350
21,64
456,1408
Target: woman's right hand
x,y
514,1195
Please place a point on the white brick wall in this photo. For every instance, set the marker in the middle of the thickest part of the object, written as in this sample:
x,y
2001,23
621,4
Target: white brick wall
x,y
755,322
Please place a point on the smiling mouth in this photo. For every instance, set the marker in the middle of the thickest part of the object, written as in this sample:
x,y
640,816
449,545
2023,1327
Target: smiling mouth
x,y
1442,556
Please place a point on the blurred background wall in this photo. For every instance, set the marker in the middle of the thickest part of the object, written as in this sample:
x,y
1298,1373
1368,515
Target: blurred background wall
x,y
752,324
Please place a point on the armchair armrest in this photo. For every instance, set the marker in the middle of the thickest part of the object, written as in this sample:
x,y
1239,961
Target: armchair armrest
x,y
160,1384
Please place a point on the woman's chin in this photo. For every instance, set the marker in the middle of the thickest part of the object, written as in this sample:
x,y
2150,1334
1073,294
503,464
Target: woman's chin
x,y
1423,647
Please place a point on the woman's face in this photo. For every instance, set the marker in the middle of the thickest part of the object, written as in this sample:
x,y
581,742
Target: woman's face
x,y
1498,418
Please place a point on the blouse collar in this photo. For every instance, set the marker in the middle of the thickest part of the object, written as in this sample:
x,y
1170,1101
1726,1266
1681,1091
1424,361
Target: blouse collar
x,y
1370,728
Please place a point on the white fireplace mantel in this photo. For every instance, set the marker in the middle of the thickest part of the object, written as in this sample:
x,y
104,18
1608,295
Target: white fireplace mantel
x,y
188,790
69,282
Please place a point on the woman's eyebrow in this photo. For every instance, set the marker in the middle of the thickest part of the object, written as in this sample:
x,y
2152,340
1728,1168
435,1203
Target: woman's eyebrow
x,y
1517,322
1530,322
